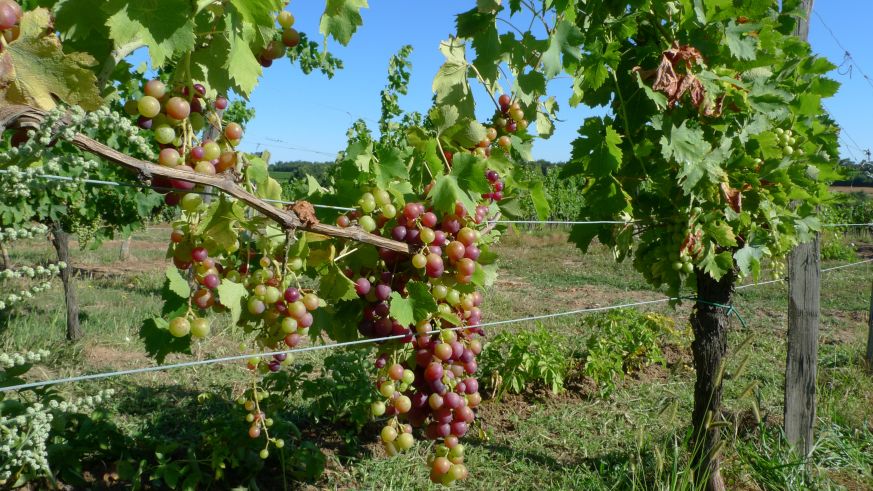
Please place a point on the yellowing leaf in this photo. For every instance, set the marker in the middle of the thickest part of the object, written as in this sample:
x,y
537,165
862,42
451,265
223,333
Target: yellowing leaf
x,y
34,69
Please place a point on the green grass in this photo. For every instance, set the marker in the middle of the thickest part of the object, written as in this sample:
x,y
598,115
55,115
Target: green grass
x,y
632,439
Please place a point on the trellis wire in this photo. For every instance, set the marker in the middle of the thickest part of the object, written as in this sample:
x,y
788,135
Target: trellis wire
x,y
102,375
344,208
98,182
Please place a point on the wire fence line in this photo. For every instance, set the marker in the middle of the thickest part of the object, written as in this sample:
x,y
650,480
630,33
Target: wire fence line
x,y
98,182
210,361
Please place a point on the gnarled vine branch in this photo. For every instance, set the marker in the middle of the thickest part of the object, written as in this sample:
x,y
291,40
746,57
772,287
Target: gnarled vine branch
x,y
26,117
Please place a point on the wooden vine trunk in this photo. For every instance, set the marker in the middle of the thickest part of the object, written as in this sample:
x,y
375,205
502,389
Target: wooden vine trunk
x,y
710,324
61,241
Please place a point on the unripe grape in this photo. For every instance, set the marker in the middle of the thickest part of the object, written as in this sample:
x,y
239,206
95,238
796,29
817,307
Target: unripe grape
x,y
395,371
155,88
200,328
367,223
204,167
290,37
177,108
233,131
403,404
263,454
289,325
388,434
179,327
256,306
310,301
441,465
164,134
148,106
387,389
169,157
211,150
286,19
419,261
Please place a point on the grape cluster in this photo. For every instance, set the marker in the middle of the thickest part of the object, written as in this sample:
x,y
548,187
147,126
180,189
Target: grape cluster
x,y
176,116
10,16
427,381
789,142
257,420
287,38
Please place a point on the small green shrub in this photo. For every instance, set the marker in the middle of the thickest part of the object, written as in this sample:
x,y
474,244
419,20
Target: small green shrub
x,y
515,361
627,340
834,247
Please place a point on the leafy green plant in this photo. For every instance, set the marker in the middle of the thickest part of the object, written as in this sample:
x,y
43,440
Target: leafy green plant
x,y
342,392
516,361
627,341
836,247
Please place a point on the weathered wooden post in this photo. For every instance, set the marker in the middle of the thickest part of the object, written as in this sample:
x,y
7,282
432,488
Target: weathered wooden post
x,y
804,295
869,356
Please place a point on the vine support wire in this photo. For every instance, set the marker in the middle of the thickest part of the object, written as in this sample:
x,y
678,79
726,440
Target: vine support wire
x,y
210,361
98,182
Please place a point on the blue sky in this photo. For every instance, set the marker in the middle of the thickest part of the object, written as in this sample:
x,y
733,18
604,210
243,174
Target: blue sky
x,y
306,117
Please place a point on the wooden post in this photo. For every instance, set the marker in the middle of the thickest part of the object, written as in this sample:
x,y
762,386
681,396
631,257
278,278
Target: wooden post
x,y
124,254
869,356
804,296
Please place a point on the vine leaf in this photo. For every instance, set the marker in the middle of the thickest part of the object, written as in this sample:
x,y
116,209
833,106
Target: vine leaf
x,y
450,84
176,283
446,192
417,306
739,40
342,18
597,151
749,260
335,285
35,70
165,27
231,296
565,39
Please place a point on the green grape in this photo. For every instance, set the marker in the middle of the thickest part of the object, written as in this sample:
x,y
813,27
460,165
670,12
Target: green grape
x,y
382,197
200,328
180,327
148,106
191,202
164,134
367,223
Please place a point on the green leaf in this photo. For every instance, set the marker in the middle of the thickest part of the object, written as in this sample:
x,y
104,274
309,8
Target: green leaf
x,y
565,40
176,283
450,83
232,295
716,265
749,260
470,171
596,152
684,144
158,341
443,117
423,303
389,166
450,318
722,233
335,285
446,192
402,310
342,18
741,46
34,70
242,66
166,27
218,223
